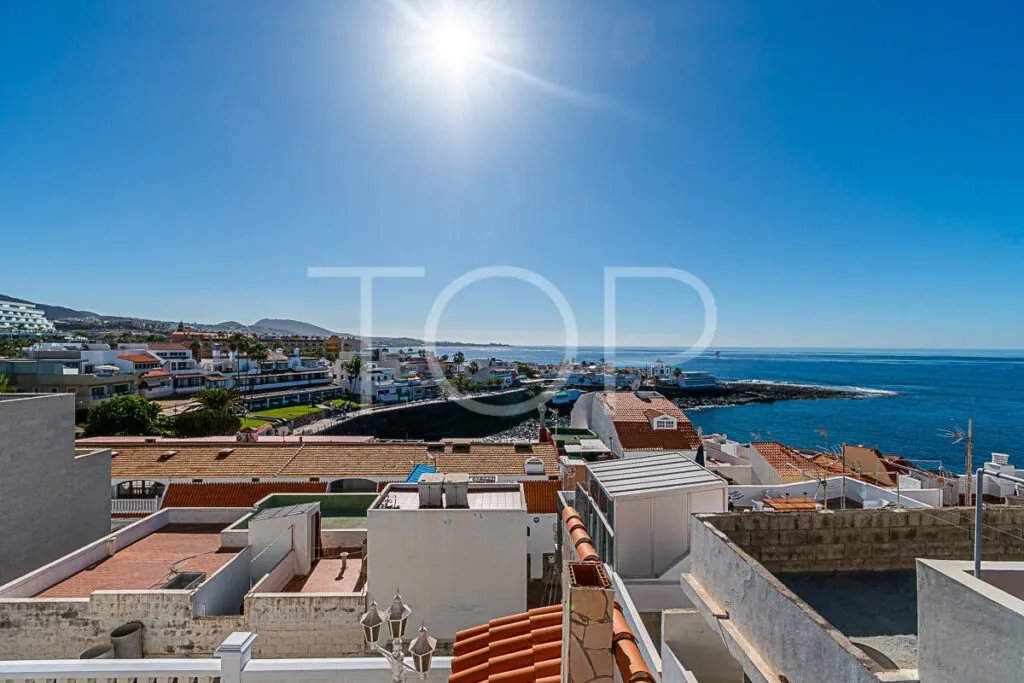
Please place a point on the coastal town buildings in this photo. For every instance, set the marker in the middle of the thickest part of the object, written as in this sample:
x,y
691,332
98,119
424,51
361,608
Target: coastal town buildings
x,y
54,495
23,319
66,372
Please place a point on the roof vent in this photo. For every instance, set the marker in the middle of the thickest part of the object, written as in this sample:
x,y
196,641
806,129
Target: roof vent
x,y
430,488
534,465
460,448
166,455
456,490
435,447
524,447
150,439
224,452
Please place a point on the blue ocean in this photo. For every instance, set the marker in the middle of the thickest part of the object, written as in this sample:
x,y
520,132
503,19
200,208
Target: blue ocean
x,y
914,396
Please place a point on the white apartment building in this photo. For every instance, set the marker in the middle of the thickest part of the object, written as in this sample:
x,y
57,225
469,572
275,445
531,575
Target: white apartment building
x,y
23,317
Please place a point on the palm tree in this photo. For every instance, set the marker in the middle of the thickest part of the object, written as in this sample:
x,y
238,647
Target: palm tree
x,y
459,358
473,368
444,358
217,398
354,368
257,353
197,349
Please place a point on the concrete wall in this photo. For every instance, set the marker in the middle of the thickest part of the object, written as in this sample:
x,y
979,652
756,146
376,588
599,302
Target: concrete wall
x,y
766,628
62,629
540,541
224,591
52,501
696,650
308,624
456,568
868,540
855,490
968,630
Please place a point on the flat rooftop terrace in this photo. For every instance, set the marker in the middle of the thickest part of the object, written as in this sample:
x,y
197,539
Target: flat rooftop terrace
x,y
876,609
326,577
150,562
493,497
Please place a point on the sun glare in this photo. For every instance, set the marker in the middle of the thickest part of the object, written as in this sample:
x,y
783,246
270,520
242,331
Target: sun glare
x,y
456,44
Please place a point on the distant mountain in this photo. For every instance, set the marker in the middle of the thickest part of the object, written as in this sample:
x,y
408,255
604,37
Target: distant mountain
x,y
51,312
72,319
296,327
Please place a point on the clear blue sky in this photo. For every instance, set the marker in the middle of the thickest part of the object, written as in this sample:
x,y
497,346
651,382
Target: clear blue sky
x,y
839,173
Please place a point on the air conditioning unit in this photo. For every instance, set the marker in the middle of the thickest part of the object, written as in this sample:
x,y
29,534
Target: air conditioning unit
x,y
431,488
456,490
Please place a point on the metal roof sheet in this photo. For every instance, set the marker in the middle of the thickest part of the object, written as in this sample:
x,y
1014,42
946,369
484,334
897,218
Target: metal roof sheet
x,y
654,473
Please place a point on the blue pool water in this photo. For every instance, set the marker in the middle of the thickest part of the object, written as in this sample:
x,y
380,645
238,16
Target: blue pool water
x,y
931,391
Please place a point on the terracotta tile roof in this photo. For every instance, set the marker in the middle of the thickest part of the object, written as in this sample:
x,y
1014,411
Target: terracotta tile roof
x,y
232,494
317,459
162,346
632,414
155,373
140,358
785,460
541,496
521,648
527,647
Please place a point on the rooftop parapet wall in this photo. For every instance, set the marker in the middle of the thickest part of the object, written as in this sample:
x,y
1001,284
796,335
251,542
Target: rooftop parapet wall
x,y
869,540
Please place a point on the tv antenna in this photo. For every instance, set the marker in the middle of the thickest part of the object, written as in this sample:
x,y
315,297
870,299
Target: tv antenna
x,y
958,435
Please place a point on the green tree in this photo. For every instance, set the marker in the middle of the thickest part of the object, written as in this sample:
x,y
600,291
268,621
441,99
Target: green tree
x,y
459,358
354,368
181,326
10,349
196,347
217,398
444,358
124,416
474,368
5,386
205,422
525,370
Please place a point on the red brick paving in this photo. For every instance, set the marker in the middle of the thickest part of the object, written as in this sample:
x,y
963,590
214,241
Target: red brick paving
x,y
146,564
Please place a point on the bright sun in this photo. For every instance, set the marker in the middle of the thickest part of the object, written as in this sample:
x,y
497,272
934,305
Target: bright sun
x,y
456,44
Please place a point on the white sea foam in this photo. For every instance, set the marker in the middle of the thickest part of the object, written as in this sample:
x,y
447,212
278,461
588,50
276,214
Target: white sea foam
x,y
852,389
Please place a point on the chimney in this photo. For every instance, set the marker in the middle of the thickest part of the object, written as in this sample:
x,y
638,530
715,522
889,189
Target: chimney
x,y
587,629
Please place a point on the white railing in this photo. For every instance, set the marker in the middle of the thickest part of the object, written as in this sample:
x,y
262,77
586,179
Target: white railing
x,y
134,505
232,664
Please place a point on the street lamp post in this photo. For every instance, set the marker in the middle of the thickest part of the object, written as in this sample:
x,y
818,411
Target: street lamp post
x,y
421,648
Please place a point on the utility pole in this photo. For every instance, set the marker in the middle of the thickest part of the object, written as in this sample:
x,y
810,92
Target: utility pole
x,y
969,458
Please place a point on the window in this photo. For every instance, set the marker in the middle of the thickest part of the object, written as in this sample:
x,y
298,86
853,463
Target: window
x,y
664,423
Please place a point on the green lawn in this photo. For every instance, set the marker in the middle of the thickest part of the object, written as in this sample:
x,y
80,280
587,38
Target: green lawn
x,y
351,405
288,413
249,422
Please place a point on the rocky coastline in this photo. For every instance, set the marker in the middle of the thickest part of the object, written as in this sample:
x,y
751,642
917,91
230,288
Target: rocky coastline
x,y
742,393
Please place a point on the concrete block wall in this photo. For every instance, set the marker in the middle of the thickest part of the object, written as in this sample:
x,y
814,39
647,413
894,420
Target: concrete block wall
x,y
306,625
62,629
869,540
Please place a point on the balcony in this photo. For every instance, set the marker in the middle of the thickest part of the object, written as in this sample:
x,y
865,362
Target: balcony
x,y
134,505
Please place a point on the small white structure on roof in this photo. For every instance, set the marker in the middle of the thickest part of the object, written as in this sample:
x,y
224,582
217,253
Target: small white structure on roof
x,y
640,508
